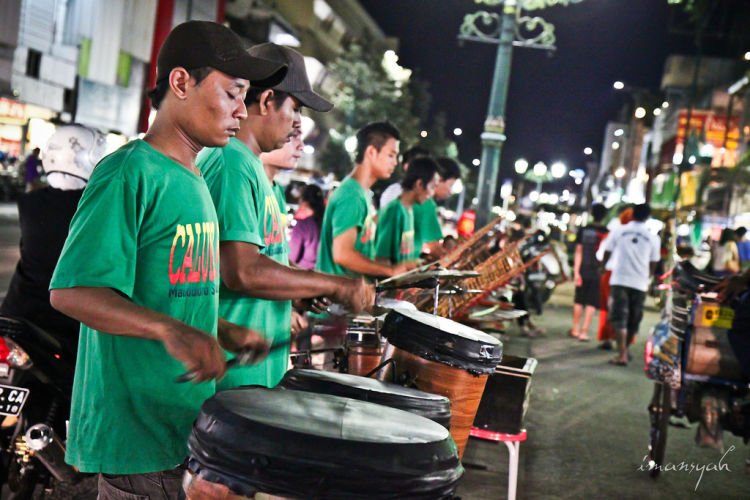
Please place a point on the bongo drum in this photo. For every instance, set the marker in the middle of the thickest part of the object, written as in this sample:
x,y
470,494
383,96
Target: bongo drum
x,y
298,444
433,406
364,349
441,356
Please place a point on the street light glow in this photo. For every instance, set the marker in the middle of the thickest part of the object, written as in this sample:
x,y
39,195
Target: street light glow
x,y
521,166
423,134
588,151
534,196
640,112
309,149
618,85
620,172
540,169
615,145
619,132
657,111
747,56
476,162
664,105
558,170
457,131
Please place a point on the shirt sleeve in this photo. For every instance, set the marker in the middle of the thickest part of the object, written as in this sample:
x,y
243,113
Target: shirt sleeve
x,y
102,244
236,195
655,249
427,226
347,215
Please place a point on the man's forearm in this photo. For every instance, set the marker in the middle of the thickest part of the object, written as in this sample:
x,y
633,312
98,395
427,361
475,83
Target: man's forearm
x,y
577,260
358,263
265,278
105,310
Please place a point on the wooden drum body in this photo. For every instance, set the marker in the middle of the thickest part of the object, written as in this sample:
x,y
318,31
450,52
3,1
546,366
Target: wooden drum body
x,y
364,349
443,357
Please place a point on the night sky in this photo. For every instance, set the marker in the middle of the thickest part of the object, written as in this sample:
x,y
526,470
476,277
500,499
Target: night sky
x,y
557,104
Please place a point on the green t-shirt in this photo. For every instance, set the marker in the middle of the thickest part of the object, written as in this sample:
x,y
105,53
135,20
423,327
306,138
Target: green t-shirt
x,y
248,211
395,240
146,228
426,224
278,191
349,206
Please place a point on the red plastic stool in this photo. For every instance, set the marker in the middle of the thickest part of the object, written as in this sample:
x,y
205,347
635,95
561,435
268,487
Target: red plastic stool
x,y
513,443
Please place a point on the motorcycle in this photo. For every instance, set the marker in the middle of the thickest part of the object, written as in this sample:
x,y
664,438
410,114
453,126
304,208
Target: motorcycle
x,y
544,273
36,383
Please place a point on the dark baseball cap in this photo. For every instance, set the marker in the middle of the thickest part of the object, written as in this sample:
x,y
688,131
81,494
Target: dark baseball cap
x,y
199,44
295,82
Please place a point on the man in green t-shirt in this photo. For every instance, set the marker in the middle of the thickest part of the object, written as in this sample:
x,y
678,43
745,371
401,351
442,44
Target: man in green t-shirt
x,y
347,237
427,229
257,284
395,236
140,271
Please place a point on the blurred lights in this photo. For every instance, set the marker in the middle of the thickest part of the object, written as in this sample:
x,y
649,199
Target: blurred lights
x,y
746,57
579,182
618,85
309,149
619,132
615,145
692,159
521,166
350,144
423,134
588,151
534,196
664,105
476,162
540,169
677,158
657,111
640,112
620,172
457,131
558,170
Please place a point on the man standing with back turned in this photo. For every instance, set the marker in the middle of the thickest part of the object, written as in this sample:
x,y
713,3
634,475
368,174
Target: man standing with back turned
x,y
634,251
140,270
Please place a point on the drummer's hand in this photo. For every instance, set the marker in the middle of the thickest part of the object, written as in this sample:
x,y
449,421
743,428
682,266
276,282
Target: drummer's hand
x,y
299,323
731,287
358,295
197,350
320,305
238,339
403,267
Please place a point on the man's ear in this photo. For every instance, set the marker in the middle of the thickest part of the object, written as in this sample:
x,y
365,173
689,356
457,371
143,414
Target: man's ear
x,y
418,184
371,152
179,79
266,101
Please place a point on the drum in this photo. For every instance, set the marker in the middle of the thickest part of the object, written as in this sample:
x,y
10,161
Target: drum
x,y
364,349
302,445
433,406
441,356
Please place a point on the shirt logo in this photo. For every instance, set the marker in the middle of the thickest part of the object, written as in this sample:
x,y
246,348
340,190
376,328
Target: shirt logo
x,y
368,230
407,242
196,245
273,226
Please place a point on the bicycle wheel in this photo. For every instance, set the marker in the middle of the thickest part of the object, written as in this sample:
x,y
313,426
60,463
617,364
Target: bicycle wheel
x,y
659,411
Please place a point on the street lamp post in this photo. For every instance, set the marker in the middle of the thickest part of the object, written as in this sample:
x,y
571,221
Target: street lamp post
x,y
507,27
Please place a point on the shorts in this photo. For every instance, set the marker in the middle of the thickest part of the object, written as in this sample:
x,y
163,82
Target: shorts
x,y
163,485
626,308
588,293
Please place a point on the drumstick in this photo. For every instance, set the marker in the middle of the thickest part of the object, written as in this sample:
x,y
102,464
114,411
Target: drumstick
x,y
247,357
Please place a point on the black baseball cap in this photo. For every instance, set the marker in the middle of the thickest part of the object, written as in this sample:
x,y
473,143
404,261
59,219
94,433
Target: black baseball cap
x,y
198,44
295,82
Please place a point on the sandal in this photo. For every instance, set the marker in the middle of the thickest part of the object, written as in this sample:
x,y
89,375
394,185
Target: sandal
x,y
584,338
617,362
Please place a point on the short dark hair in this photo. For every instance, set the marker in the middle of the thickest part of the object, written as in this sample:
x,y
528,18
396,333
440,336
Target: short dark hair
x,y
414,152
740,231
598,211
253,96
641,212
158,93
374,134
422,169
727,235
448,168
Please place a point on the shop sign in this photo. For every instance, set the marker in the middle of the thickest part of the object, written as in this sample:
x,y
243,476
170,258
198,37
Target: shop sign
x,y
12,111
711,128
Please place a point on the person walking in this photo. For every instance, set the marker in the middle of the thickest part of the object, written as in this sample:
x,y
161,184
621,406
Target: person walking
x,y
140,271
586,273
634,251
32,167
725,258
305,237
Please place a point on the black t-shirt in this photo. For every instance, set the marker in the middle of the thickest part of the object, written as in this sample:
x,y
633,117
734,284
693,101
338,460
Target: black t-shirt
x,y
590,237
44,216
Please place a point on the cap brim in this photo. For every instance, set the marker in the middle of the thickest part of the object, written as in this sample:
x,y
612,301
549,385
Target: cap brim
x,y
260,72
313,101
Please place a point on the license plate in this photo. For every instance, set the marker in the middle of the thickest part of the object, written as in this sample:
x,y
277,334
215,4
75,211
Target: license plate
x,y
12,400
537,276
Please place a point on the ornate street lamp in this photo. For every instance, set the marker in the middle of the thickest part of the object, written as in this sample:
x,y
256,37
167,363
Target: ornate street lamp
x,y
511,28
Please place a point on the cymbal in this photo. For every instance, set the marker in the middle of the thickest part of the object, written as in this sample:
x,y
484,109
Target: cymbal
x,y
441,275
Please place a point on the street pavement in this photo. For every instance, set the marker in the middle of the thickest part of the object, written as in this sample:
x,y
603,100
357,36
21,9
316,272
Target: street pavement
x,y
587,421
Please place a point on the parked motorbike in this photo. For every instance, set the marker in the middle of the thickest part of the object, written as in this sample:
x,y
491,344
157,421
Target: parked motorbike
x,y
36,382
544,273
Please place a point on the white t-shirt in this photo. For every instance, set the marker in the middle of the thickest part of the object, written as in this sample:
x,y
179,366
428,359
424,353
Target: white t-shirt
x,y
391,193
633,248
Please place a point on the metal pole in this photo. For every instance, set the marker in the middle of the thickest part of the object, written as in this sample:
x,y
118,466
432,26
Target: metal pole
x,y
493,136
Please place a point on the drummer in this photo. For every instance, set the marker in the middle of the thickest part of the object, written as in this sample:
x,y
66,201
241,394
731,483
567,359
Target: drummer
x,y
257,284
394,242
347,237
139,270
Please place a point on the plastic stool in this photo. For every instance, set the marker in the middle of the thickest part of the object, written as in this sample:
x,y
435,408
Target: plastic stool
x,y
513,443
